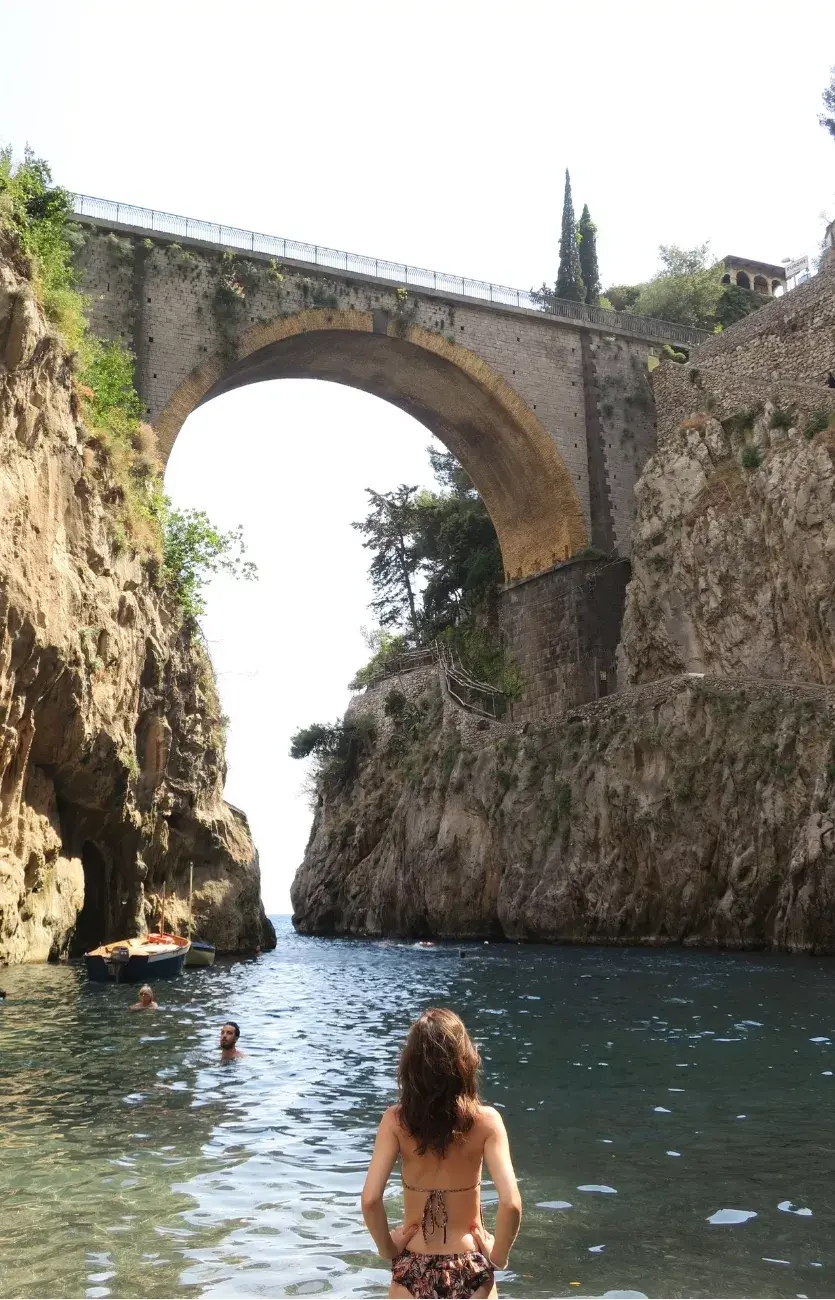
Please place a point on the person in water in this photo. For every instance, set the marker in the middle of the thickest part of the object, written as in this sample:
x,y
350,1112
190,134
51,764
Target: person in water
x,y
229,1035
442,1134
146,1000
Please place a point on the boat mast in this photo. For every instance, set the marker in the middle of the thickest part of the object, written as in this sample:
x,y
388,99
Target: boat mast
x,y
190,889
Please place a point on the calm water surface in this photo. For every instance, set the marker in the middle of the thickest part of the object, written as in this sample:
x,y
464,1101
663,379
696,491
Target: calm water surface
x,y
677,1084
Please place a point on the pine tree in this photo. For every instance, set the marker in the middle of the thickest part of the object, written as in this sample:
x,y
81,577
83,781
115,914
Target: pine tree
x,y
569,278
587,231
387,529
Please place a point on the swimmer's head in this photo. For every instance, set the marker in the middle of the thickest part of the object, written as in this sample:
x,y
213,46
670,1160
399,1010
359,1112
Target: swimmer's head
x,y
229,1034
146,994
438,1080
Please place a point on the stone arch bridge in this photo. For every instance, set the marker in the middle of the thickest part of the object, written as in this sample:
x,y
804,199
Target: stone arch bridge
x,y
550,412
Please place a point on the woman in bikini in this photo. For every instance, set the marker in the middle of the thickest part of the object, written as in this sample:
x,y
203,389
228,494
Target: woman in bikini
x,y
442,1133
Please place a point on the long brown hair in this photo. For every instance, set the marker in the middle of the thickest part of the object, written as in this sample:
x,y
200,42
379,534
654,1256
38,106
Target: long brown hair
x,y
438,1081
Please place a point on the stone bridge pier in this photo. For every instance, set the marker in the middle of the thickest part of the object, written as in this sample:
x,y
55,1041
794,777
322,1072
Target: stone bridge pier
x,y
551,414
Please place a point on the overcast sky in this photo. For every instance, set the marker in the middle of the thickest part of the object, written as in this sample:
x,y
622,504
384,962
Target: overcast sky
x,y
432,133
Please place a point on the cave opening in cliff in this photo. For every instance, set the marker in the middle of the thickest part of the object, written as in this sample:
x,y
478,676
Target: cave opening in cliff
x,y
91,926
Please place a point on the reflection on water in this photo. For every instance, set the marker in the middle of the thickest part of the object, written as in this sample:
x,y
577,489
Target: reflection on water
x,y
670,1114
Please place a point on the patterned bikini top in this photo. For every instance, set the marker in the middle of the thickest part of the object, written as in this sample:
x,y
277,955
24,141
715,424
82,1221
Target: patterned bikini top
x,y
434,1210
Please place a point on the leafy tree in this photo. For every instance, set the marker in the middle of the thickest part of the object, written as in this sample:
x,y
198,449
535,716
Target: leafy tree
x,y
736,302
686,291
827,119
194,549
457,548
569,278
623,296
387,529
385,646
587,237
335,746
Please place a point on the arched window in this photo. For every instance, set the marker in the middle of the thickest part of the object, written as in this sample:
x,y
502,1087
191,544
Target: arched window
x,y
777,287
761,285
726,279
742,280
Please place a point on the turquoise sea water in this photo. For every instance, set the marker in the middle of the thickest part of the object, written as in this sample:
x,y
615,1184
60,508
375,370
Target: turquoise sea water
x,y
677,1084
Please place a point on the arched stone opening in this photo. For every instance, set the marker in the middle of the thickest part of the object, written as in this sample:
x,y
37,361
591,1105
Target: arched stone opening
x,y
777,288
743,280
500,441
761,285
726,279
91,926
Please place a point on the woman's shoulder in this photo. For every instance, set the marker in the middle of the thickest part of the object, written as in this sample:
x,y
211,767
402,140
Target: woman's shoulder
x,y
488,1118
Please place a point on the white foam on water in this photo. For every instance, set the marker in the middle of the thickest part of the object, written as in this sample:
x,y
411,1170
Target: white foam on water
x,y
673,1153
596,1250
732,1216
820,1040
662,1110
554,1205
767,1260
829,1072
598,1187
623,1295
789,1207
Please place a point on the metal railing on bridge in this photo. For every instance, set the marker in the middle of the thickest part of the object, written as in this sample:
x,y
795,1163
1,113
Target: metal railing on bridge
x,y
168,223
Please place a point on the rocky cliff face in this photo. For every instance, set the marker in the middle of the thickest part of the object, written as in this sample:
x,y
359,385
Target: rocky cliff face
x,y
696,806
733,568
694,810
111,739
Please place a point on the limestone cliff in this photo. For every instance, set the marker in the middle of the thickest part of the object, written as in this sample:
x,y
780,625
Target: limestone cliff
x,y
694,810
697,805
733,568
111,738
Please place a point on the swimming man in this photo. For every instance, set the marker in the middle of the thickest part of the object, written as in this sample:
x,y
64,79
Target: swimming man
x,y
229,1035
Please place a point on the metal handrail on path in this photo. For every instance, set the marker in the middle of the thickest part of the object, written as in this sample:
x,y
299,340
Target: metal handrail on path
x,y
501,295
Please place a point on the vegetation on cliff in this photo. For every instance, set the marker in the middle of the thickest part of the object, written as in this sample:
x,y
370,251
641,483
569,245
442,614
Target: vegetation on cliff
x,y
436,568
183,546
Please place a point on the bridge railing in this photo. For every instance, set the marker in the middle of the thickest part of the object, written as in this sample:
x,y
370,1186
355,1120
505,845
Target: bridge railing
x,y
168,223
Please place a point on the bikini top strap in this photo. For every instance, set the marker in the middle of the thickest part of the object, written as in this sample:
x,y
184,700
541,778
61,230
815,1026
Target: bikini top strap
x,y
434,1191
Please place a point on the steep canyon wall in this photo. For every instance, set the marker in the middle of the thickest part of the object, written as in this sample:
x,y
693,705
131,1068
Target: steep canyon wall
x,y
111,735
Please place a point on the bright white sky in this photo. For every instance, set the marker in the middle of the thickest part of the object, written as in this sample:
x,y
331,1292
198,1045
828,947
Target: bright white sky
x,y
434,132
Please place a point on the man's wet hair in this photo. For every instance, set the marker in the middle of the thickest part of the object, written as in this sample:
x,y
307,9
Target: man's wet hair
x,y
235,1026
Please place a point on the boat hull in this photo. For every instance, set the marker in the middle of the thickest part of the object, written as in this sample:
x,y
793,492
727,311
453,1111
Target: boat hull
x,y
200,954
137,961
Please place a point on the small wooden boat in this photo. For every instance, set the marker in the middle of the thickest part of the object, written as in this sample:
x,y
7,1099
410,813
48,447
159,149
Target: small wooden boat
x,y
140,960
200,953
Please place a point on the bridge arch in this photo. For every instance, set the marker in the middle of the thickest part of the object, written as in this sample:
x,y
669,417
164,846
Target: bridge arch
x,y
514,464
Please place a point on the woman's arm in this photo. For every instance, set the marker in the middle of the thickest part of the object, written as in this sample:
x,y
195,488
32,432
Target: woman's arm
x,y
509,1216
386,1150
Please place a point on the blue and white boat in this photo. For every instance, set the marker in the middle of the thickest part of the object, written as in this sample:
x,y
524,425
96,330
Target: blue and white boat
x,y
140,960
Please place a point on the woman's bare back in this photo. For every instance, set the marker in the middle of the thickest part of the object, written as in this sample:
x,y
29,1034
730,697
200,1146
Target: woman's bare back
x,y
447,1221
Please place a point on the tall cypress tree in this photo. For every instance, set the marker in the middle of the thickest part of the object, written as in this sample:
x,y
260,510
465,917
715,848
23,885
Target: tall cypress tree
x,y
569,278
587,232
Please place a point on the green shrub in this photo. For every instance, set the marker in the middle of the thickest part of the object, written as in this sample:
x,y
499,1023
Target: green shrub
x,y
781,419
337,747
752,457
817,422
193,549
385,647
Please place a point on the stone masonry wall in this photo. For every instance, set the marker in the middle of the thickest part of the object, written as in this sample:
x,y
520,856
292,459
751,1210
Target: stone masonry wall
x,y
563,628
166,300
783,353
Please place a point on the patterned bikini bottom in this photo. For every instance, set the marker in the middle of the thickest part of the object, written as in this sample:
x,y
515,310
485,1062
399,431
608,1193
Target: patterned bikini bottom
x,y
455,1276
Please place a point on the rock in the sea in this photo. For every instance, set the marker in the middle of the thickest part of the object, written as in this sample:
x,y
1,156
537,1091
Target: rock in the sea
x,y
111,734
